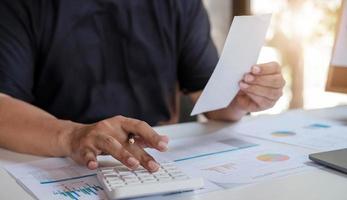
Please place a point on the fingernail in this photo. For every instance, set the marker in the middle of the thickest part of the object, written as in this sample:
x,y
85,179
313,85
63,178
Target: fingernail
x,y
165,138
244,85
162,145
249,78
153,166
92,165
255,69
132,161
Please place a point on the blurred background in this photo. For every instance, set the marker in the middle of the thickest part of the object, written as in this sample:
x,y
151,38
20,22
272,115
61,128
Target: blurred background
x,y
300,38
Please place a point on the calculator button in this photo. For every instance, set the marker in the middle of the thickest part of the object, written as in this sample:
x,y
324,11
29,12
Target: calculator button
x,y
122,169
105,171
177,174
133,182
160,175
129,179
149,181
147,178
143,174
126,174
141,171
164,179
181,177
111,175
117,185
114,180
107,168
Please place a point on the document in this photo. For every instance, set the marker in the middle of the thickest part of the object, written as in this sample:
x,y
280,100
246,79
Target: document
x,y
240,53
246,167
203,146
243,168
57,179
297,129
237,168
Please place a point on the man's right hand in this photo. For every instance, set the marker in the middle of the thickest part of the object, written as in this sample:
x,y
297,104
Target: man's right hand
x,y
110,136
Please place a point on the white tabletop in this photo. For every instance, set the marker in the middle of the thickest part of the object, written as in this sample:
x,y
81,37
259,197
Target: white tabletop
x,y
317,184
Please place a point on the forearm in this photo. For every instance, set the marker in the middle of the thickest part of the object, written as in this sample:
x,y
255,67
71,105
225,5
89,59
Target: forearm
x,y
28,129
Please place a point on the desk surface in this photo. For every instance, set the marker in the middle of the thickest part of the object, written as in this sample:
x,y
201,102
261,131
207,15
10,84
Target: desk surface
x,y
317,184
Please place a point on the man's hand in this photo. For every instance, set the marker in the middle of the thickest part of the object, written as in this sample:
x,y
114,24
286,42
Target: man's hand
x,y
110,136
261,88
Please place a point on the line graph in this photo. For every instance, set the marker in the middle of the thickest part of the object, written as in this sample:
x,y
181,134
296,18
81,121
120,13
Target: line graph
x,y
77,190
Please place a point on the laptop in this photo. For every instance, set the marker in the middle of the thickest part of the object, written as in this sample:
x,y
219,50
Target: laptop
x,y
336,159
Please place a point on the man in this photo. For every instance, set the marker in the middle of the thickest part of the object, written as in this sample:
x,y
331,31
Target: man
x,y
76,77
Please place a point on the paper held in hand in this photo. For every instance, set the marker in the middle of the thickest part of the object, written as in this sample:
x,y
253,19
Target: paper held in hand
x,y
240,53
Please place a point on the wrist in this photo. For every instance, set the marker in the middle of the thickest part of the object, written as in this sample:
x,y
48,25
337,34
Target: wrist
x,y
65,137
237,111
233,112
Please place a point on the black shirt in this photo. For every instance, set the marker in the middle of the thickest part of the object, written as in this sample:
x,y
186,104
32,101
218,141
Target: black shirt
x,y
87,60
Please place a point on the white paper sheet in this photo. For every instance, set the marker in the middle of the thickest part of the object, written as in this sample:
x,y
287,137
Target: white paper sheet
x,y
240,53
58,179
237,168
249,166
202,146
339,57
297,129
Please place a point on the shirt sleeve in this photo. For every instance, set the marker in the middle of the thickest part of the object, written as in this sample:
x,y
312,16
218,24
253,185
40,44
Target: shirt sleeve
x,y
16,51
197,53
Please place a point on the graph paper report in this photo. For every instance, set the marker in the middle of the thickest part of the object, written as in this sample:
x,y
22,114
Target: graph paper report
x,y
58,179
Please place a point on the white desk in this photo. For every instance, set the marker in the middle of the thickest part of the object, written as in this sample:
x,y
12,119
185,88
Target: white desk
x,y
315,185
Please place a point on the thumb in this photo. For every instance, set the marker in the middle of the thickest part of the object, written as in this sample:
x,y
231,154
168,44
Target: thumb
x,y
90,160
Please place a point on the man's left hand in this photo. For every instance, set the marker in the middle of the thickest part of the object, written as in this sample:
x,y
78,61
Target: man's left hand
x,y
261,88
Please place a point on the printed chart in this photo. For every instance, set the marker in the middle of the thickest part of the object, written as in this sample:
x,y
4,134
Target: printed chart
x,y
226,168
282,133
58,179
249,166
272,157
77,190
307,132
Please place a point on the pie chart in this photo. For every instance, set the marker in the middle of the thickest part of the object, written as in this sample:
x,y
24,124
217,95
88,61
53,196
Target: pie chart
x,y
283,133
272,157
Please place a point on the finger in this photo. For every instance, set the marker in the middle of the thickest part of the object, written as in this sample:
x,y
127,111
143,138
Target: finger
x,y
110,145
146,132
273,81
89,159
266,92
266,68
143,144
145,159
261,102
246,102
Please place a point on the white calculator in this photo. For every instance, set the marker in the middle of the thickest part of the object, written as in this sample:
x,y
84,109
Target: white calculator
x,y
119,182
